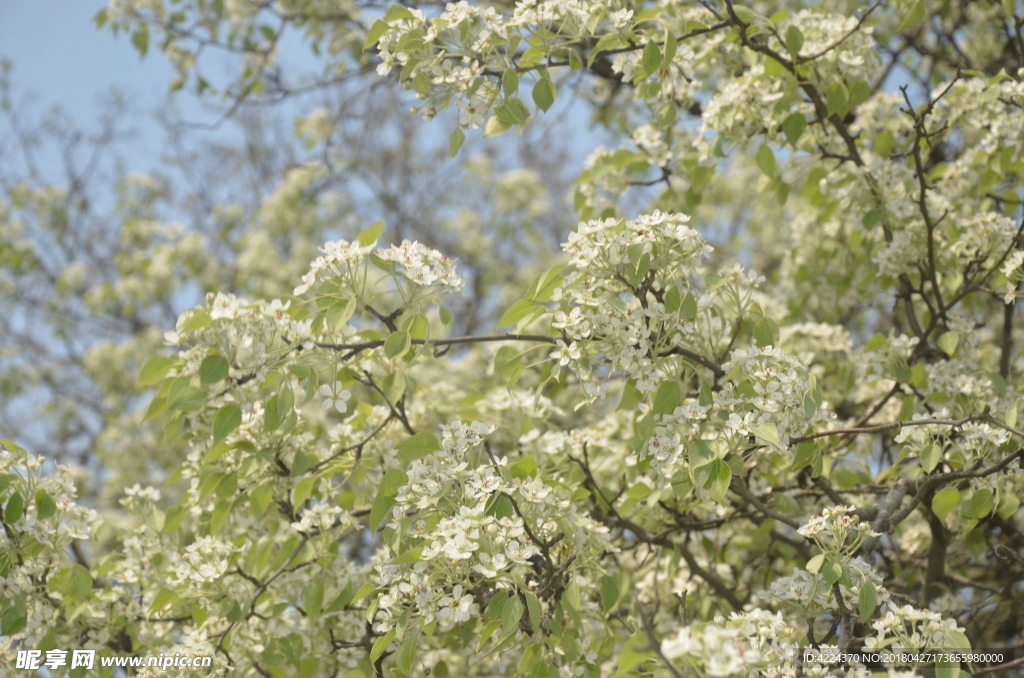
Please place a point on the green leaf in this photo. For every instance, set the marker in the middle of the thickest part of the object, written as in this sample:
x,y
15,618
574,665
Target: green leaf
x,y
836,99
511,613
868,600
749,16
397,344
393,386
981,504
607,42
930,457
945,501
381,505
371,234
445,314
533,607
766,332
945,668
308,667
397,13
155,369
575,61
794,40
785,503
420,445
948,342
517,312
884,145
45,505
188,399
512,112
377,30
227,419
652,57
766,431
455,140
213,369
832,572
510,82
499,506
876,342
1008,506
671,46
392,481
815,563
794,127
405,655
79,583
718,482
140,39
14,509
313,599
913,17
260,498
765,159
507,361
705,396
688,308
524,468
198,319
381,644
1009,9
544,94
544,285
668,397
609,593
631,396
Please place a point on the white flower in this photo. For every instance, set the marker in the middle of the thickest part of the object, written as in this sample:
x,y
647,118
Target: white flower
x,y
8,589
336,397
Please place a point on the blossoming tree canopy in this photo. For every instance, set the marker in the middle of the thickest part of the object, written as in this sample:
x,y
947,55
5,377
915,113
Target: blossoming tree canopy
x,y
661,461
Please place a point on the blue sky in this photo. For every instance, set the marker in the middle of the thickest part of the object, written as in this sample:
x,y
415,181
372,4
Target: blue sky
x,y
60,55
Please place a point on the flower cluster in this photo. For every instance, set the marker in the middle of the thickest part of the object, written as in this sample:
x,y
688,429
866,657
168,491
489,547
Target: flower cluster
x,y
423,265
812,595
649,261
836,530
909,628
768,386
746,643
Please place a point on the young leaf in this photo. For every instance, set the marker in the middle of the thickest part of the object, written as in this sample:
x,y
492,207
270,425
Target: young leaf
x,y
213,369
420,445
510,82
668,397
227,419
652,57
948,342
868,600
155,369
944,501
765,160
794,40
913,17
370,235
455,140
766,332
609,593
544,94
794,127
517,312
405,655
397,344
